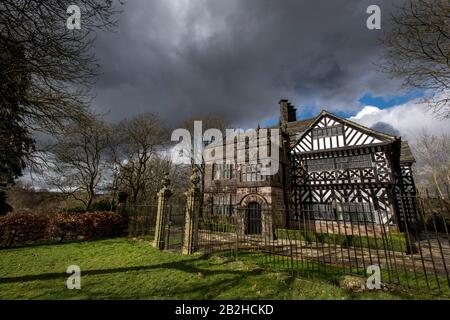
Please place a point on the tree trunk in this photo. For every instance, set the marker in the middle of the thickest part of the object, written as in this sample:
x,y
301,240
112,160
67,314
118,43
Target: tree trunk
x,y
90,199
436,184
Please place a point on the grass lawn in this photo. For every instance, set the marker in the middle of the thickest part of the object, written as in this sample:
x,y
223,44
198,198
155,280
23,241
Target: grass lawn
x,y
125,268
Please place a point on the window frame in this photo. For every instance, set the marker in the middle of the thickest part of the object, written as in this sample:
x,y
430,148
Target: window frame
x,y
331,131
254,171
360,161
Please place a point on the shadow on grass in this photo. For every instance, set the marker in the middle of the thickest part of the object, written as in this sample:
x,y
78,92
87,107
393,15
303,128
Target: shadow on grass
x,y
185,266
214,287
42,243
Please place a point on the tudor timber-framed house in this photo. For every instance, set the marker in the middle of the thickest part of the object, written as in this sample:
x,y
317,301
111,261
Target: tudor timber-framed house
x,y
330,167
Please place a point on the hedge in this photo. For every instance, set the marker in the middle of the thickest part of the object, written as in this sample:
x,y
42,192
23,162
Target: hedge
x,y
22,229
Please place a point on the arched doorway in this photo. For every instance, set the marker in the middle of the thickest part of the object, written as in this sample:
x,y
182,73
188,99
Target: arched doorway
x,y
253,218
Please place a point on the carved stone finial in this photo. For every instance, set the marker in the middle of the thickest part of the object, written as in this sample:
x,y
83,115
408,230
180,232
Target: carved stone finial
x,y
165,181
195,179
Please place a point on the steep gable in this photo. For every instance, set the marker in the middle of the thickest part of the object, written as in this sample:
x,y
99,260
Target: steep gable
x,y
329,132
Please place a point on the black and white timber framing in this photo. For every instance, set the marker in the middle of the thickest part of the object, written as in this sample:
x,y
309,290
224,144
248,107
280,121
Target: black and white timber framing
x,y
336,162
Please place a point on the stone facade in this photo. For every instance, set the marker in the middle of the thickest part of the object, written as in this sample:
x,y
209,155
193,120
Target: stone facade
x,y
243,188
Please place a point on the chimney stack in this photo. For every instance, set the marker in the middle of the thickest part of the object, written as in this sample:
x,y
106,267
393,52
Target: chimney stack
x,y
287,112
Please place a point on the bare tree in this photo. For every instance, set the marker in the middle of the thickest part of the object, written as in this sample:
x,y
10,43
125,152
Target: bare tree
x,y
158,165
58,63
418,50
136,149
209,121
46,71
433,162
77,162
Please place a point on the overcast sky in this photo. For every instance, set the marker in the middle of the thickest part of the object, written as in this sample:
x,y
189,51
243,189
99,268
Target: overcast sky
x,y
239,57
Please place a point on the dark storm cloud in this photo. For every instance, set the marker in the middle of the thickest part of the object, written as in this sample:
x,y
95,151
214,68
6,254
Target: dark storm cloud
x,y
239,57
386,128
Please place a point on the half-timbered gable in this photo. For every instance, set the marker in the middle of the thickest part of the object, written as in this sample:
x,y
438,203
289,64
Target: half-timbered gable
x,y
329,132
405,189
339,165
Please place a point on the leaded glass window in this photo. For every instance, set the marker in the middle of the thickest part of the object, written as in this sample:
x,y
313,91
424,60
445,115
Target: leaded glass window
x,y
347,162
252,172
355,211
327,132
224,203
345,211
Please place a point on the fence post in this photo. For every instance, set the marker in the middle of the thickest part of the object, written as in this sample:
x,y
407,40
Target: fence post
x,y
122,210
122,202
190,243
161,214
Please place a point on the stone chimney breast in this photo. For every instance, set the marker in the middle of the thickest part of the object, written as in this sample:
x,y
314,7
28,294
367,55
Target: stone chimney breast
x,y
287,112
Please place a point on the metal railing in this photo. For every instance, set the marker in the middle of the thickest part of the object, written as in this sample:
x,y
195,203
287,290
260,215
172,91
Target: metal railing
x,y
320,241
141,220
411,253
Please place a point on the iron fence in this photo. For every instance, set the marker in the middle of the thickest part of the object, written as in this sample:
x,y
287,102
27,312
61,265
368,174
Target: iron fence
x,y
141,221
321,241
328,242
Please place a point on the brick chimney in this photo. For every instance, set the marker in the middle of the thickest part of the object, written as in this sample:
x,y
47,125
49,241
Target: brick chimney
x,y
287,112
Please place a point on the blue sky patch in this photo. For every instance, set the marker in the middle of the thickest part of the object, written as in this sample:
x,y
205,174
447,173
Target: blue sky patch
x,y
368,99
387,102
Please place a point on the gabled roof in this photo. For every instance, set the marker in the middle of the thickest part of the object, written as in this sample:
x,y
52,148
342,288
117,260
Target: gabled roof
x,y
293,128
364,129
406,155
296,128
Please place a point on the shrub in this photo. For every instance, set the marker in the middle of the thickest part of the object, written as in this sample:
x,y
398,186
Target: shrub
x,y
87,225
68,226
103,224
78,209
321,237
4,206
309,236
103,205
16,229
348,241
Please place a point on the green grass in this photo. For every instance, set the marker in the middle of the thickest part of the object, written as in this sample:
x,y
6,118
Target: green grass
x,y
217,226
124,268
393,241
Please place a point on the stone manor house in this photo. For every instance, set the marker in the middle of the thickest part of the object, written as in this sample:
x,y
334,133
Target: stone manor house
x,y
330,168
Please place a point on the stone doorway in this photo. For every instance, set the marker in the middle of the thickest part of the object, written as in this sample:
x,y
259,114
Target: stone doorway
x,y
253,218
